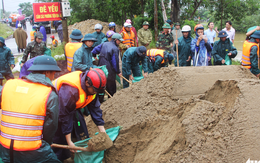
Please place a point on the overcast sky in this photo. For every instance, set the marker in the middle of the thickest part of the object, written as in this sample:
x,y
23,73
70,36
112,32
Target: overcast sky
x,y
12,5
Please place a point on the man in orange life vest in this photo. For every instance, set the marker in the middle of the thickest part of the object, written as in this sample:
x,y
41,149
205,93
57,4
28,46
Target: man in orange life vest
x,y
158,58
250,53
33,33
77,90
73,46
30,115
129,36
54,41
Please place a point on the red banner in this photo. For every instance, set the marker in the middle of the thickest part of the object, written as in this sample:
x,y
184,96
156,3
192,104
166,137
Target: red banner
x,y
46,11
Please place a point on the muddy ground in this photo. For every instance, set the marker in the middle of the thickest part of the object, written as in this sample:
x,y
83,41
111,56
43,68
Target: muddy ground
x,y
188,114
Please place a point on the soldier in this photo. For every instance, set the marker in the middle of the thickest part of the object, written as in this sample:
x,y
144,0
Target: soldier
x,y
35,48
144,35
165,39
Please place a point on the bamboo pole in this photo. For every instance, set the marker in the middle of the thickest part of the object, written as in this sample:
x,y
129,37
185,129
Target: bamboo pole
x,y
70,148
177,50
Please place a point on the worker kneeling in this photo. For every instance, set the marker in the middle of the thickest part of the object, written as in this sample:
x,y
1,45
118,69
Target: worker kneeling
x,y
158,58
130,63
77,90
30,114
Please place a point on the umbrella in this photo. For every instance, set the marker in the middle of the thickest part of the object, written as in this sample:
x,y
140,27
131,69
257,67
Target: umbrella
x,y
21,17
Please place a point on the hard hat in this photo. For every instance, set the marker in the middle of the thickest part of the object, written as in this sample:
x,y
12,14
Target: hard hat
x,y
98,26
146,23
2,40
111,24
97,79
199,28
52,36
198,25
110,33
256,34
127,25
166,25
141,51
117,36
39,35
89,37
128,21
19,25
33,27
223,34
186,28
76,34
1,77
44,63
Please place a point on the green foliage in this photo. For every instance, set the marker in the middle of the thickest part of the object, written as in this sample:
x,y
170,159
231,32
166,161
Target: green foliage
x,y
26,8
5,31
58,51
247,22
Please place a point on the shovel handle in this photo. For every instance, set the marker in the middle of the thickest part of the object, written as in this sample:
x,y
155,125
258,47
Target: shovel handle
x,y
108,94
125,79
69,147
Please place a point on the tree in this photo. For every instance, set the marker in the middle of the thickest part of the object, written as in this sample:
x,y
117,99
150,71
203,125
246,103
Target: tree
x,y
26,8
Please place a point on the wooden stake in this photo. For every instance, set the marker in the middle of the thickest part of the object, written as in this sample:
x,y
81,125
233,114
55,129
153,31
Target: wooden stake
x,y
177,50
69,147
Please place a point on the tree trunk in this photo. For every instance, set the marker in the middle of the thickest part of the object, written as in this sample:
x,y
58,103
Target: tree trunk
x,y
175,11
163,12
142,6
155,20
222,9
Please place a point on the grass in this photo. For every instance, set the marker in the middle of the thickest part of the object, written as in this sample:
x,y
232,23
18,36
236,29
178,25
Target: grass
x,y
58,51
5,30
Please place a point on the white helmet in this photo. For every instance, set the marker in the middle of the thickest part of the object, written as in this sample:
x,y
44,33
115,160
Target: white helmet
x,y
127,25
186,28
98,26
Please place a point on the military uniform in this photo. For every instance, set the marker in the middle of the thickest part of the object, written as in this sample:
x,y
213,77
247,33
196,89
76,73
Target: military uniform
x,y
164,41
34,48
145,36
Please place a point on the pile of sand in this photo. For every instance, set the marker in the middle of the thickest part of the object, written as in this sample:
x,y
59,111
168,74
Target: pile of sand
x,y
87,26
190,114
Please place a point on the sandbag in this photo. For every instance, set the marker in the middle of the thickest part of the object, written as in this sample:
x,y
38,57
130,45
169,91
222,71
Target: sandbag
x,y
104,69
47,52
228,60
137,79
97,157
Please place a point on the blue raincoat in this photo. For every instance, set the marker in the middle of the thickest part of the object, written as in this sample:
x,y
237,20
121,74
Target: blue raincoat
x,y
130,64
99,37
43,31
201,53
6,60
82,59
109,56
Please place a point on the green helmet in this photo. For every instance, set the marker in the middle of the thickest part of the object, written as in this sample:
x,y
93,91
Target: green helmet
x,y
166,25
44,63
117,36
146,23
39,35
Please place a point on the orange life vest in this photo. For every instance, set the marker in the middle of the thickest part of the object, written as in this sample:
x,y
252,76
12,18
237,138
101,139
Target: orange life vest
x,y
70,49
32,33
246,53
73,79
152,53
23,114
129,40
54,42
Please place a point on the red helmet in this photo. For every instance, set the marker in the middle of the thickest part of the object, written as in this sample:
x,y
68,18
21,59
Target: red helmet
x,y
52,36
97,78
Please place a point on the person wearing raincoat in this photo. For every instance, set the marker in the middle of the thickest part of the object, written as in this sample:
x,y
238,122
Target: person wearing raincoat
x,y
183,44
200,48
222,48
109,56
82,59
6,60
35,110
158,58
99,35
130,63
43,31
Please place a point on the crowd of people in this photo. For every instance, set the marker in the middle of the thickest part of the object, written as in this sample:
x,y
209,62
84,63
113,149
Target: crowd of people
x,y
44,111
